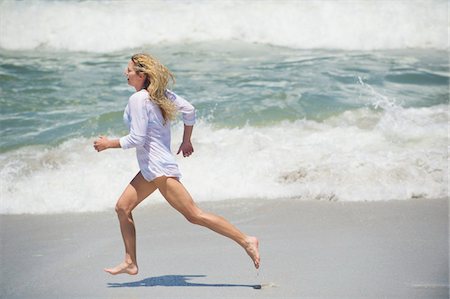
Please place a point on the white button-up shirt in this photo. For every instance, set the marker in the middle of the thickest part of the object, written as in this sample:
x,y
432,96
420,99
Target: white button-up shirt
x,y
151,136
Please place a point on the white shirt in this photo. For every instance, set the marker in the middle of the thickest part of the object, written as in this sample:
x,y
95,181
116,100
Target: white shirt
x,y
150,136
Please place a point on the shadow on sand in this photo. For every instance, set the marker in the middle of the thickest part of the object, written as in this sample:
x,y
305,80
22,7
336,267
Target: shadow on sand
x,y
176,281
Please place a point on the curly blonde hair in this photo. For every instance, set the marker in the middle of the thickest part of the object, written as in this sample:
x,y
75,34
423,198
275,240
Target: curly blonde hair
x,y
157,80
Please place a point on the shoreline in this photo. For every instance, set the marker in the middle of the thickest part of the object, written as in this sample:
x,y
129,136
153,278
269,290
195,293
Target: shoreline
x,y
309,249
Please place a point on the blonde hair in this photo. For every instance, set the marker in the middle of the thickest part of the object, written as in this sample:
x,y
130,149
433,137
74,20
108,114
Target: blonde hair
x,y
156,82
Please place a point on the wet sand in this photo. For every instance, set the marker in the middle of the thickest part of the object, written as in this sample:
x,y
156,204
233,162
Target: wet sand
x,y
309,249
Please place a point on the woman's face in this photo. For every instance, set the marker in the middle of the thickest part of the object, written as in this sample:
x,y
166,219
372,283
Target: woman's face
x,y
134,79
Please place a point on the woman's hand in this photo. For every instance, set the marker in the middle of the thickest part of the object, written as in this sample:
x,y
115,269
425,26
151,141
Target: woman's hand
x,y
186,145
186,148
101,143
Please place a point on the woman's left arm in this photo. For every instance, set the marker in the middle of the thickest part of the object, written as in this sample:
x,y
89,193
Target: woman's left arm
x,y
138,126
103,143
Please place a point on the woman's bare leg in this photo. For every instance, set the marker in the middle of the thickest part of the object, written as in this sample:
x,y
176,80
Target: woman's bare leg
x,y
179,198
134,193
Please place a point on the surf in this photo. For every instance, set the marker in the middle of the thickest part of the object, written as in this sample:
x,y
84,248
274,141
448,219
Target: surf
x,y
348,25
359,155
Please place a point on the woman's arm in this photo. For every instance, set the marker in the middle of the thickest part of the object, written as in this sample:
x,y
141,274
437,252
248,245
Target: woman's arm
x,y
103,143
138,127
188,114
186,146
183,106
138,121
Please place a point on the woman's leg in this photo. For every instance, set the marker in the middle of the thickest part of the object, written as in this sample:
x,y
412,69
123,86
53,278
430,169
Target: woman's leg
x,y
179,198
134,193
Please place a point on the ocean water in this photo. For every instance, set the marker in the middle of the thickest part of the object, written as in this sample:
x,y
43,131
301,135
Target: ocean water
x,y
313,100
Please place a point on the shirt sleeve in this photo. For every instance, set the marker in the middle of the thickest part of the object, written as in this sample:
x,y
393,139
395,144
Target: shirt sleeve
x,y
183,106
138,122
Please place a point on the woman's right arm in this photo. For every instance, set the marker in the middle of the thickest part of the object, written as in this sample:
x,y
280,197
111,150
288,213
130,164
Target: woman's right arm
x,y
183,106
188,114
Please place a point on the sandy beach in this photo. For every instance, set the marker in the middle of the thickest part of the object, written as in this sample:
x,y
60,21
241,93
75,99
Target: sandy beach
x,y
309,249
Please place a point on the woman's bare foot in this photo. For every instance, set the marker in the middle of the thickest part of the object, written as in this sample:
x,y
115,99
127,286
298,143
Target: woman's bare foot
x,y
252,250
127,268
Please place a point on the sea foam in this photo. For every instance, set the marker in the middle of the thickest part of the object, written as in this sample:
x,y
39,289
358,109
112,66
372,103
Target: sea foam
x,y
360,155
105,26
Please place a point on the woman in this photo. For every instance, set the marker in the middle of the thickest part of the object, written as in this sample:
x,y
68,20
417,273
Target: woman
x,y
148,116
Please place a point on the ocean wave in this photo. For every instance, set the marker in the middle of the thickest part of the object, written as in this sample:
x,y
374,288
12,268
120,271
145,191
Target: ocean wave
x,y
106,26
359,155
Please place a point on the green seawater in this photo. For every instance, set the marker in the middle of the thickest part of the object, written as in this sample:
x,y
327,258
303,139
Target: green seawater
x,y
50,97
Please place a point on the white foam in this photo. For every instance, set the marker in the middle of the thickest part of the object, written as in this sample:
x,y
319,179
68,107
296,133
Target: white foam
x,y
96,26
69,178
361,155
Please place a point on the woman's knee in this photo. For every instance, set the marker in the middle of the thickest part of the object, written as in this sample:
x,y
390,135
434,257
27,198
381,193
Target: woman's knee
x,y
122,209
195,217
